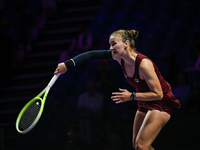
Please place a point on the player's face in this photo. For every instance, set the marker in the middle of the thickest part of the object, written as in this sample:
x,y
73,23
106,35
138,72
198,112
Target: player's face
x,y
116,46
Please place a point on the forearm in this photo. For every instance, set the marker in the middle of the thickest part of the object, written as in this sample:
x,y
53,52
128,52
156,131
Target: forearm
x,y
124,95
148,96
91,55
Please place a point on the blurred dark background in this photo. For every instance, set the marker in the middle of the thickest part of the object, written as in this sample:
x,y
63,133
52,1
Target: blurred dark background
x,y
35,35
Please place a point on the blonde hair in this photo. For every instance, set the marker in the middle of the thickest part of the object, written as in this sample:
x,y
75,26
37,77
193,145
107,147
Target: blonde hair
x,y
129,35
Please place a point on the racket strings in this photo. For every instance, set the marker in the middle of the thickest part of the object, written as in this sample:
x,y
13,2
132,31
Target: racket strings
x,y
29,116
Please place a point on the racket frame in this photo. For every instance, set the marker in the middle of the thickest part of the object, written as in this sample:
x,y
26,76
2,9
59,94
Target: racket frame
x,y
44,92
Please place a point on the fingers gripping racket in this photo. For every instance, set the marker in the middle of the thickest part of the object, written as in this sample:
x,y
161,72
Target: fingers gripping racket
x,y
32,111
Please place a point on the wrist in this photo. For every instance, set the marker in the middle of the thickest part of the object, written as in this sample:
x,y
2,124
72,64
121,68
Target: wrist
x,y
69,63
132,96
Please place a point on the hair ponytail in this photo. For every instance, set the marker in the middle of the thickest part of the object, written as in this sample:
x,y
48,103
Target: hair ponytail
x,y
133,33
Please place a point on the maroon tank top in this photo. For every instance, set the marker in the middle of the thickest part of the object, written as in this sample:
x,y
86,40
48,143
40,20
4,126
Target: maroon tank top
x,y
141,85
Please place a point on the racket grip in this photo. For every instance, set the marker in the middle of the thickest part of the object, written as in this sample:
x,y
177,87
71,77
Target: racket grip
x,y
53,80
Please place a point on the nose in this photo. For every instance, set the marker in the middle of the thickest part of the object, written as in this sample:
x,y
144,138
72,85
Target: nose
x,y
111,47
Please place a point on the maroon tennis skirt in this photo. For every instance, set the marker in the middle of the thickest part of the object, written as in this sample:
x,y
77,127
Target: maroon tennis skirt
x,y
167,104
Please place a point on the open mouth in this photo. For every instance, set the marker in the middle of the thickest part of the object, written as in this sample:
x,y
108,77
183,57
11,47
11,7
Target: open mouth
x,y
114,52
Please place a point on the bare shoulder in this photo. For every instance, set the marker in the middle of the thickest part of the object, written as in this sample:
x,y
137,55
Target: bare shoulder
x,y
146,68
146,64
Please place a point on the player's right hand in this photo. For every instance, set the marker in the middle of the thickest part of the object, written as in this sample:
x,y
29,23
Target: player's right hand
x,y
61,68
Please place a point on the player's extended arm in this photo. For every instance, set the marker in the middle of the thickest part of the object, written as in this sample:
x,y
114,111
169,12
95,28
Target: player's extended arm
x,y
83,57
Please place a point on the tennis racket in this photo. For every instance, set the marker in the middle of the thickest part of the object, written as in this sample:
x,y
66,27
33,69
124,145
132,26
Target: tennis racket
x,y
32,111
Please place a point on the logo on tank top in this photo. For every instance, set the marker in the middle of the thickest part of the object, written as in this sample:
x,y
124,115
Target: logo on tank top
x,y
136,80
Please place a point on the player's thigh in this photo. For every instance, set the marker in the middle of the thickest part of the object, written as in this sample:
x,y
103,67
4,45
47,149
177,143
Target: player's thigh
x,y
139,117
151,126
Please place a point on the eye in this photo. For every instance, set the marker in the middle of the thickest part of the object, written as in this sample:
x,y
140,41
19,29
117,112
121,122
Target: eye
x,y
113,44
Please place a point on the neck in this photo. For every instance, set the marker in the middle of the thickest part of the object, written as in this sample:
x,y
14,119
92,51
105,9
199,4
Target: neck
x,y
130,57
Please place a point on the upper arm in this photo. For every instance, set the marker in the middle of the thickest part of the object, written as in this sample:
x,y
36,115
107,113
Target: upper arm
x,y
92,55
147,72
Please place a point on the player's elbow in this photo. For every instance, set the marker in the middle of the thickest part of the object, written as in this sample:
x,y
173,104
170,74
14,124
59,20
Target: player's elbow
x,y
160,95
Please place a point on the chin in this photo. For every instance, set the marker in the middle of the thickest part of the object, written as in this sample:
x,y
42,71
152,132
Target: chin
x,y
115,57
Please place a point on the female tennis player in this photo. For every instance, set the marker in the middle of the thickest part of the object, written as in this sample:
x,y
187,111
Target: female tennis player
x,y
154,95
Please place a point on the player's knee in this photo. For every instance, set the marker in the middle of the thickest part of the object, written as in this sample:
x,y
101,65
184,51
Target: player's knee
x,y
133,144
139,145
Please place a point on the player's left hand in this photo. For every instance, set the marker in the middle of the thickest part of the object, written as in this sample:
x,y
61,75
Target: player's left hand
x,y
122,96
